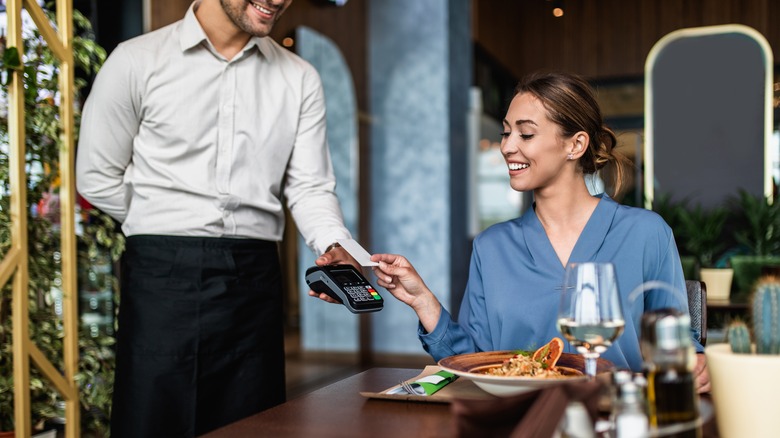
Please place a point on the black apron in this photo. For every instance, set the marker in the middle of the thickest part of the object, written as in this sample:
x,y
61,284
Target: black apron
x,y
200,341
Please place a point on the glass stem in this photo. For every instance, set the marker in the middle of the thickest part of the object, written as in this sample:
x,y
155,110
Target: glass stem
x,y
590,364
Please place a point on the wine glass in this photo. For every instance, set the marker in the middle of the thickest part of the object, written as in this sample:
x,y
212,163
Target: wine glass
x,y
590,315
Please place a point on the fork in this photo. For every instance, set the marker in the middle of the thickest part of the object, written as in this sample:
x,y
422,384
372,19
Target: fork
x,y
412,388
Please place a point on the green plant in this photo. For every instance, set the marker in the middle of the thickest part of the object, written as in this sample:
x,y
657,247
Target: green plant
x,y
43,142
703,233
738,335
757,239
671,211
757,224
765,314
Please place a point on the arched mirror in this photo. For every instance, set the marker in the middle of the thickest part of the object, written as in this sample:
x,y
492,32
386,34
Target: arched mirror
x,y
708,115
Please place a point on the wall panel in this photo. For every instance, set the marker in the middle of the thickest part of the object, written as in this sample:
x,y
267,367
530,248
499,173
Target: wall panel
x,y
772,25
618,38
165,12
604,38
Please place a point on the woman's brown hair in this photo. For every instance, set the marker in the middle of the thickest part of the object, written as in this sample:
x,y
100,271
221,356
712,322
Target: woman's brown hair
x,y
571,104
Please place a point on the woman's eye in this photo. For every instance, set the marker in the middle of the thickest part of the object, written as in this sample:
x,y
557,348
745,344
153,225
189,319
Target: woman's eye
x,y
523,136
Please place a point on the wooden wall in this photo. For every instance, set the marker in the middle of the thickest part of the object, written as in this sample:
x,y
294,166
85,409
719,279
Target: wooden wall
x,y
600,39
603,39
167,11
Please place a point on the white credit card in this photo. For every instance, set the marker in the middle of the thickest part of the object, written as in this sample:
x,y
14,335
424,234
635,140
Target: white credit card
x,y
357,252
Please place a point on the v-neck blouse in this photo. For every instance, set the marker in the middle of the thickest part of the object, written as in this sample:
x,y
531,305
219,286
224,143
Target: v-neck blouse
x,y
515,278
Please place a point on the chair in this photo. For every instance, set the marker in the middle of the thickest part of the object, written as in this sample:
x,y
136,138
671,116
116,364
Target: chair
x,y
697,307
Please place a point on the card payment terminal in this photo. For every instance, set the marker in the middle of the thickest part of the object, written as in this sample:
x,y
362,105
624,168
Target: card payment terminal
x,y
346,285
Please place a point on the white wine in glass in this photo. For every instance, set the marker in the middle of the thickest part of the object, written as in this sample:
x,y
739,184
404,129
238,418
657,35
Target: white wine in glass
x,y
590,316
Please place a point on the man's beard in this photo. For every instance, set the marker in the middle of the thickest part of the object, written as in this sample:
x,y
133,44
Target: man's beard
x,y
239,18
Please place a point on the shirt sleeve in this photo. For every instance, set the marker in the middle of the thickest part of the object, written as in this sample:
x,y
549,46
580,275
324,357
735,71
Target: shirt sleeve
x,y
109,123
310,182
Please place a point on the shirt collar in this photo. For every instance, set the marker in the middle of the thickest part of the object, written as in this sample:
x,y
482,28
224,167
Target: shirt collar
x,y
192,34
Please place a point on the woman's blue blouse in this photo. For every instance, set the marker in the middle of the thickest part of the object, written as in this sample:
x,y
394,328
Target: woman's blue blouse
x,y
515,277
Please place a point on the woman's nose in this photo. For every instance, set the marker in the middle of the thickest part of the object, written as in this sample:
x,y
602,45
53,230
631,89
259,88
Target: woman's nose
x,y
508,147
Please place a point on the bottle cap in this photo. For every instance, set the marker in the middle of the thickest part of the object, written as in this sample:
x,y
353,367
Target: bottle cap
x,y
620,377
666,338
673,332
630,392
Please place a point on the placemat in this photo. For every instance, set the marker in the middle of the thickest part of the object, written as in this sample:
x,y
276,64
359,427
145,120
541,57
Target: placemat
x,y
461,388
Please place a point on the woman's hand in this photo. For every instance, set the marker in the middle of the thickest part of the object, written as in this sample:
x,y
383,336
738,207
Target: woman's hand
x,y
701,374
399,277
335,256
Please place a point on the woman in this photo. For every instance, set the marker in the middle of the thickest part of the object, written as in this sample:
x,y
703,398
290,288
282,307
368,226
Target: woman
x,y
553,136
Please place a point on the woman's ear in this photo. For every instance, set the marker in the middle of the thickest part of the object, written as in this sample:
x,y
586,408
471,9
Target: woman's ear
x,y
579,144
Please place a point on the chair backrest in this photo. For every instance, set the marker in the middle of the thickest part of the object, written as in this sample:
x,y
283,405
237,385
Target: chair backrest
x,y
697,306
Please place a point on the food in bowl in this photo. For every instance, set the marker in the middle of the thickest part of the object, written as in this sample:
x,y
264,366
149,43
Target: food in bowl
x,y
540,364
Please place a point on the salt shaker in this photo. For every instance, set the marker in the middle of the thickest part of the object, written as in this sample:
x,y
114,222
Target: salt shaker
x,y
630,413
619,377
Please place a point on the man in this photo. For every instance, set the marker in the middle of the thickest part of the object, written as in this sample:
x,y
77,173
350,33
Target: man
x,y
191,137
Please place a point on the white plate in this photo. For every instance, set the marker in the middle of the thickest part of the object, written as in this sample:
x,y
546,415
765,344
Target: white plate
x,y
472,366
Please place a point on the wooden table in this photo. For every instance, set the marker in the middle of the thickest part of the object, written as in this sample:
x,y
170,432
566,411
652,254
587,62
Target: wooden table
x,y
730,304
338,410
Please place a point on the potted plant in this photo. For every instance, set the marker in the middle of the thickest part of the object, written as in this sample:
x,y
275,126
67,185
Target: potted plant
x,y
742,372
704,237
757,231
99,235
671,212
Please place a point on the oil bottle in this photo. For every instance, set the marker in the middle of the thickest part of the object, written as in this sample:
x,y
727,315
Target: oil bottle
x,y
669,360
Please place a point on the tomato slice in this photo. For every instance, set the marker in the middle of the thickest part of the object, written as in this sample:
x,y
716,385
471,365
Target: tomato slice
x,y
550,353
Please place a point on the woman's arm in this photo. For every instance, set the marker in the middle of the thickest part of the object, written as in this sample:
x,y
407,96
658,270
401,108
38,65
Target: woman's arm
x,y
399,277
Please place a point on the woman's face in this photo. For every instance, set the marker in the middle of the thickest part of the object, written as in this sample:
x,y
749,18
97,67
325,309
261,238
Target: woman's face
x,y
532,147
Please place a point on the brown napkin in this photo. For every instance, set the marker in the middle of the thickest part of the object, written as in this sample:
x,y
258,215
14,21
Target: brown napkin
x,y
531,414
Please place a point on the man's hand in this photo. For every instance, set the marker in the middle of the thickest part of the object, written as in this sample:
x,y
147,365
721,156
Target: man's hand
x,y
336,255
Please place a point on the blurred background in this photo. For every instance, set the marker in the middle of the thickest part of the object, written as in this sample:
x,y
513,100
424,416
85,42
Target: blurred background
x,y
415,91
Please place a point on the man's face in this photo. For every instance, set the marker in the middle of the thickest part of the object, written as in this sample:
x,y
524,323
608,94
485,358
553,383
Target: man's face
x,y
255,17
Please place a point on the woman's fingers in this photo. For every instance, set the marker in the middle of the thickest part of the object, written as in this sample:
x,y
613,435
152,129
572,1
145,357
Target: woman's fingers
x,y
382,275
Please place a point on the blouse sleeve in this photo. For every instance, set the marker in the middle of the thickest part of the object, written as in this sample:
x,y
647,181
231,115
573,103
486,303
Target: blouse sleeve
x,y
669,270
470,333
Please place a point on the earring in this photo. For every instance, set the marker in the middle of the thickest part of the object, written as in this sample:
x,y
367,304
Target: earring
x,y
570,157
